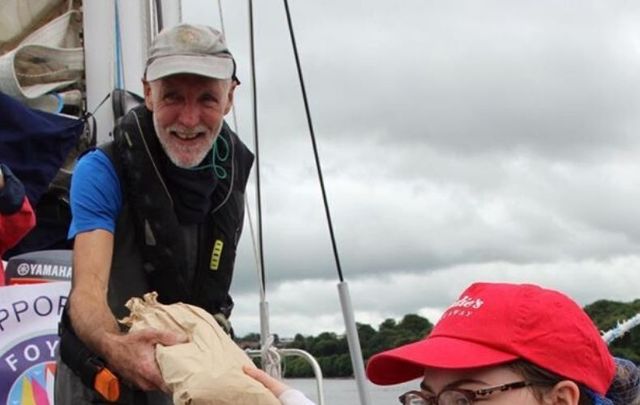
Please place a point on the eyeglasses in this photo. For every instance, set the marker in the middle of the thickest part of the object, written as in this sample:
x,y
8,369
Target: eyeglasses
x,y
457,396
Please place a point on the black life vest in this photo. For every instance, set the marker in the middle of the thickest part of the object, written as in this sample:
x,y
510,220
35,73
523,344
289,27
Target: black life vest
x,y
151,246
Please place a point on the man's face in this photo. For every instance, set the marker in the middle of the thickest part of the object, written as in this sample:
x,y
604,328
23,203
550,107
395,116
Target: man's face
x,y
188,111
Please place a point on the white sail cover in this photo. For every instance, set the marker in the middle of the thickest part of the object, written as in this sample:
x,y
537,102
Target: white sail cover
x,y
20,16
48,59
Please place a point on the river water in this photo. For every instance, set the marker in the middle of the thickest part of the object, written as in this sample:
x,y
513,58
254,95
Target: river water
x,y
345,391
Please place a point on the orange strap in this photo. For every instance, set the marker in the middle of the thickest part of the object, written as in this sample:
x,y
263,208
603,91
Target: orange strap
x,y
107,385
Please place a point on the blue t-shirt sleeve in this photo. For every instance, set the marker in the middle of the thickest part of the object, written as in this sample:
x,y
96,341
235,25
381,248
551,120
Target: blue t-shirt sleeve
x,y
96,197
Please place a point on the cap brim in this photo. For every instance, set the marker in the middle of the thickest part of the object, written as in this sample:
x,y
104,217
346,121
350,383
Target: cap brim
x,y
409,362
214,67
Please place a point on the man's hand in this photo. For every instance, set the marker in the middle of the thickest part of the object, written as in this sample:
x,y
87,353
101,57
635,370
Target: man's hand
x,y
132,356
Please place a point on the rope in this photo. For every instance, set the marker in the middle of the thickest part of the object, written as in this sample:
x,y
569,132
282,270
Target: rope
x,y
216,156
271,359
313,142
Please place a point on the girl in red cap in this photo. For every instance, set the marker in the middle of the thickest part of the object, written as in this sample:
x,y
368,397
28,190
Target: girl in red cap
x,y
510,344
503,344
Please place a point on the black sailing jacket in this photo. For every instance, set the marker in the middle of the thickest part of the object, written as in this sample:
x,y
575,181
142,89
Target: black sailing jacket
x,y
151,246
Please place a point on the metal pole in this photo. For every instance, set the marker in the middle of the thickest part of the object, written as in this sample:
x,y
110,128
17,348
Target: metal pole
x,y
354,342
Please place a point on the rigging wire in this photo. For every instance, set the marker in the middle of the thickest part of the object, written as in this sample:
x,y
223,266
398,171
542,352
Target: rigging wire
x,y
271,361
255,248
355,351
270,357
254,99
118,51
234,113
313,142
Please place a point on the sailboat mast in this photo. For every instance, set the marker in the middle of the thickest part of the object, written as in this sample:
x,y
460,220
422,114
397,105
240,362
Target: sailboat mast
x,y
126,45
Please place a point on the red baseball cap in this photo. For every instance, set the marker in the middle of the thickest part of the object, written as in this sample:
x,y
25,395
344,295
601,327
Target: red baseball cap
x,y
496,323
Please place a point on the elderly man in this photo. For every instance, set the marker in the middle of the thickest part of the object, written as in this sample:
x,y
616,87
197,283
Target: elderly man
x,y
160,208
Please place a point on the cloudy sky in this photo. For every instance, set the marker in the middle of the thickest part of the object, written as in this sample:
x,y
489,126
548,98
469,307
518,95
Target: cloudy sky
x,y
460,141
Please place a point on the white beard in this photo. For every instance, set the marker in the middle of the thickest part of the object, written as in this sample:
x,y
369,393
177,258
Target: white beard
x,y
196,153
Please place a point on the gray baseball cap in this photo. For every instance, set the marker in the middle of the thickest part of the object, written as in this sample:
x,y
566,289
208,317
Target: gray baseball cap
x,y
187,48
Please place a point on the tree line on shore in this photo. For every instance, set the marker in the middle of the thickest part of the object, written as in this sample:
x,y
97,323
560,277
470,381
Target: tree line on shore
x,y
332,351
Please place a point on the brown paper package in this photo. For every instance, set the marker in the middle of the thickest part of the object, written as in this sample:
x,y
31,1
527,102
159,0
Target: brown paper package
x,y
208,369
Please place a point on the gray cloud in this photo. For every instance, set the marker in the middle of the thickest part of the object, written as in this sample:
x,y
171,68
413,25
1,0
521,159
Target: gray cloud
x,y
311,306
470,78
459,140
